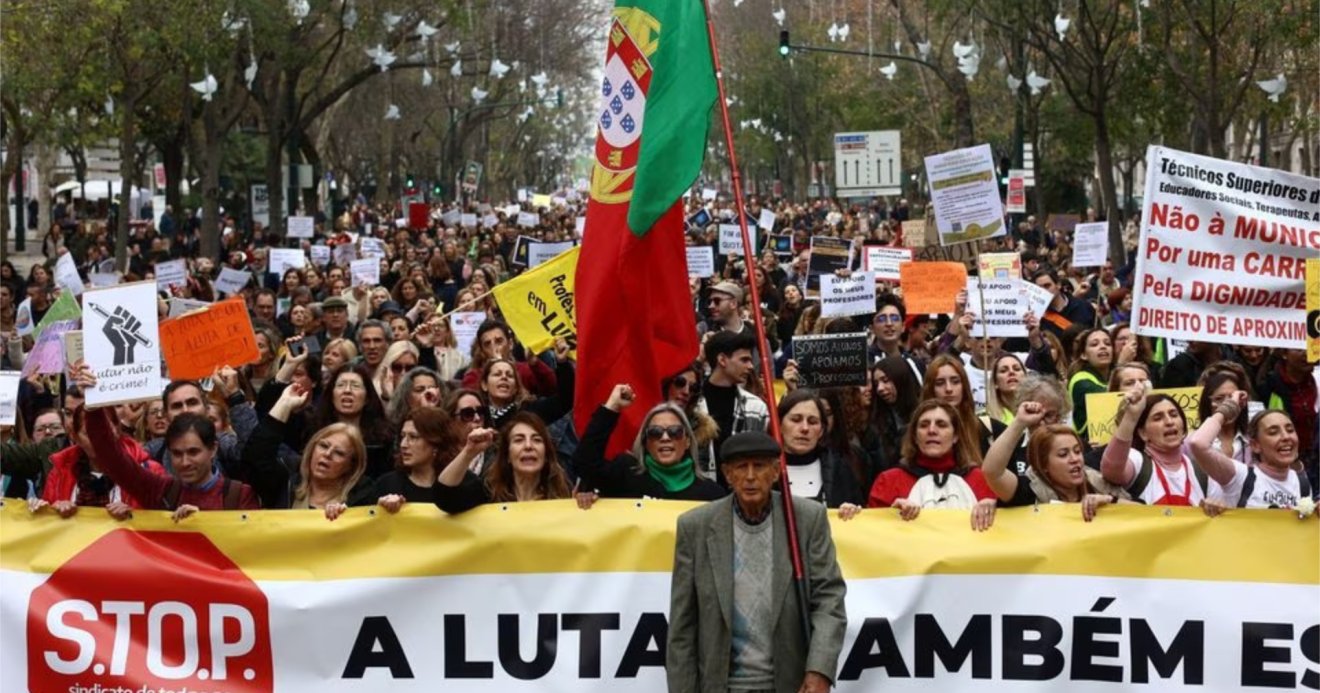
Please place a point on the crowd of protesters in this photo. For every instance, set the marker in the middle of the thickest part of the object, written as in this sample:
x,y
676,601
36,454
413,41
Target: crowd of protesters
x,y
361,396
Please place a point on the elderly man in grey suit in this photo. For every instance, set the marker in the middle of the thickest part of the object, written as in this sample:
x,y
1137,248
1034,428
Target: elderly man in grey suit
x,y
734,619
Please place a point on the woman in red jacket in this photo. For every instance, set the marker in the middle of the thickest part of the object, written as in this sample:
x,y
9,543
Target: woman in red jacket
x,y
76,478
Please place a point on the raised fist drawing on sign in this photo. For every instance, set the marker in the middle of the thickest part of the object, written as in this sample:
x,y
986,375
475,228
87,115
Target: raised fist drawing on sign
x,y
122,329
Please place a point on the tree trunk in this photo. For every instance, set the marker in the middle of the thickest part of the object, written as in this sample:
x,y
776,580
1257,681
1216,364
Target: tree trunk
x,y
1108,193
171,154
47,157
212,151
127,167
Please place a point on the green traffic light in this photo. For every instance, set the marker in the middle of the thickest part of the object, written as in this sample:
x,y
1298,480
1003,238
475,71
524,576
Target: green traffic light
x,y
784,47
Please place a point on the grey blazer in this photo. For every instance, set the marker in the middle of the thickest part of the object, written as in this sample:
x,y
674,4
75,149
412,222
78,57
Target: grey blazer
x,y
701,599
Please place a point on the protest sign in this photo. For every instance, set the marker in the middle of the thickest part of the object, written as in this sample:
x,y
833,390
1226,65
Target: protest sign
x,y
528,220
320,255
344,253
997,307
731,241
1312,309
521,247
261,205
931,287
538,304
1062,222
73,346
700,219
767,220
884,261
282,306
365,272
198,343
100,279
781,245
232,281
965,193
47,355
539,253
827,255
1222,250
65,307
1017,192
467,220
490,221
9,381
701,261
464,326
830,360
372,247
999,265
282,259
579,225
23,318
301,227
512,210
559,201
1090,244
171,273
66,274
915,233
180,306
540,200
851,295
121,343
451,217
471,177
419,216
1038,299
1102,411
708,194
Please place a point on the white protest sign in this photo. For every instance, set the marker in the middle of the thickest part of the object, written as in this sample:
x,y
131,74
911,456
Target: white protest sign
x,y
464,325
965,194
261,205
171,273
302,227
23,324
883,261
512,210
73,347
490,221
66,274
372,247
701,261
468,221
232,281
731,238
345,253
179,306
1090,244
100,279
559,201
998,307
282,259
121,339
540,252
1222,251
320,255
366,272
451,217
1038,299
767,220
708,194
851,295
528,219
9,381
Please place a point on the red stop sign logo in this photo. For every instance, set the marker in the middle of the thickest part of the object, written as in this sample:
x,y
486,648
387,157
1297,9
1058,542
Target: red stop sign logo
x,y
149,612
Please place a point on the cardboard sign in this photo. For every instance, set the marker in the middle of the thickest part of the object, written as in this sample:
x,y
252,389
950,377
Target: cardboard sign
x,y
282,259
464,325
73,346
931,287
9,381
121,339
366,272
731,238
915,233
196,344
1090,244
302,227
998,307
540,200
171,273
66,274
701,261
830,360
1062,222
884,261
232,281
842,296
827,255
538,253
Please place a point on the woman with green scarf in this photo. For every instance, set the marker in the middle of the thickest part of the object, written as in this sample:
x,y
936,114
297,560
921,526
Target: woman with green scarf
x,y
660,464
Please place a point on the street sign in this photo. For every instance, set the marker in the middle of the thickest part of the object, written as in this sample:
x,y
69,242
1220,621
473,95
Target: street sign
x,y
867,164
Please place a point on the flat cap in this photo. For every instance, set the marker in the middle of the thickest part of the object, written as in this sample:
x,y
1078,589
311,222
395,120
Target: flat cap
x,y
748,444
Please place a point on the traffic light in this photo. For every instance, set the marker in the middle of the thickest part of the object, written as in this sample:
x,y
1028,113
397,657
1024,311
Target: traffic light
x,y
437,190
411,182
784,48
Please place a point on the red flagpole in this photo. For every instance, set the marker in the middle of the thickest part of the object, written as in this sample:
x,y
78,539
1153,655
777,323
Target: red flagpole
x,y
767,371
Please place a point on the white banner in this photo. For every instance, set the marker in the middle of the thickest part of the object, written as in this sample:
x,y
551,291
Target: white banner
x,y
999,306
851,295
965,195
1090,244
122,343
1222,251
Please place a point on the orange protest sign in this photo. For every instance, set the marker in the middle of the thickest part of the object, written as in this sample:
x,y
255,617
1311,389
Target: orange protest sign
x,y
931,287
195,344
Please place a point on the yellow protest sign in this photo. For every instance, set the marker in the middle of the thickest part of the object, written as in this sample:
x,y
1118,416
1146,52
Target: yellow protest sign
x,y
1102,409
538,304
1313,309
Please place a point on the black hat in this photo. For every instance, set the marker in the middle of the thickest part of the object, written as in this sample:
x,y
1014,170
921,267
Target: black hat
x,y
748,444
388,308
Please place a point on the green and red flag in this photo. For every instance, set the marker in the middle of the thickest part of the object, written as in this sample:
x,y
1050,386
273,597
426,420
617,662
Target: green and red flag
x,y
634,314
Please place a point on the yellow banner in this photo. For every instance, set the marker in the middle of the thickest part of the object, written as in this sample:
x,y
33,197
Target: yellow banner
x,y
1313,309
538,304
1102,408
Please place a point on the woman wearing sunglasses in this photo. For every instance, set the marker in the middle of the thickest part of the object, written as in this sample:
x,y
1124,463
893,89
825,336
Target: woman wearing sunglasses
x,y
399,358
468,412
660,464
684,390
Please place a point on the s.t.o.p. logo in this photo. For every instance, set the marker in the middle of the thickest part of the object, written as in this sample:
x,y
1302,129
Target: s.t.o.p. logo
x,y
149,611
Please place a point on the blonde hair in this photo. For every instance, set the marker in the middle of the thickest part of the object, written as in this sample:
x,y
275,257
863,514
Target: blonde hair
x,y
302,494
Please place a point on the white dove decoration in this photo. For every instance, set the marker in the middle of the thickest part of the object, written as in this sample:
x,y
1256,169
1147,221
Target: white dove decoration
x,y
497,68
1061,24
425,30
452,47
962,50
391,20
392,113
478,95
779,137
970,65
250,73
924,49
522,117
206,87
843,32
233,23
737,2
779,16
1274,87
381,57
299,9
1013,83
833,32
109,105
1001,63
889,70
540,79
350,17
427,79
522,86
457,69
1036,82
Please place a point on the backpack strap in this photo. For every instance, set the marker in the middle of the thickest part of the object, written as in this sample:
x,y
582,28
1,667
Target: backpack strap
x,y
232,493
1142,479
1202,479
172,492
1248,485
1303,484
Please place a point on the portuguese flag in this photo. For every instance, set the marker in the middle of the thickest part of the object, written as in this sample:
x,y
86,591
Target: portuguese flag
x,y
634,316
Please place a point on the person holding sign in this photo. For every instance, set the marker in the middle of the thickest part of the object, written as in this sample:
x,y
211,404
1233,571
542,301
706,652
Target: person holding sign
x,y
1064,311
661,463
1146,456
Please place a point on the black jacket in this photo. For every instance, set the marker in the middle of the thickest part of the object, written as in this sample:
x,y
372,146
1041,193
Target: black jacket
x,y
620,478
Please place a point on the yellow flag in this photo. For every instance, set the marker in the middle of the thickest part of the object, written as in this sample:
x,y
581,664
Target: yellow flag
x,y
538,304
1313,309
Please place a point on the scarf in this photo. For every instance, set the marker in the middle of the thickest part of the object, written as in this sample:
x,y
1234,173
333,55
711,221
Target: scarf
x,y
939,465
674,477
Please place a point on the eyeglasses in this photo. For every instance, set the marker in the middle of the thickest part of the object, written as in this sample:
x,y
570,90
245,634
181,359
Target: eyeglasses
x,y
352,385
674,432
470,414
398,367
682,383
49,428
882,318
